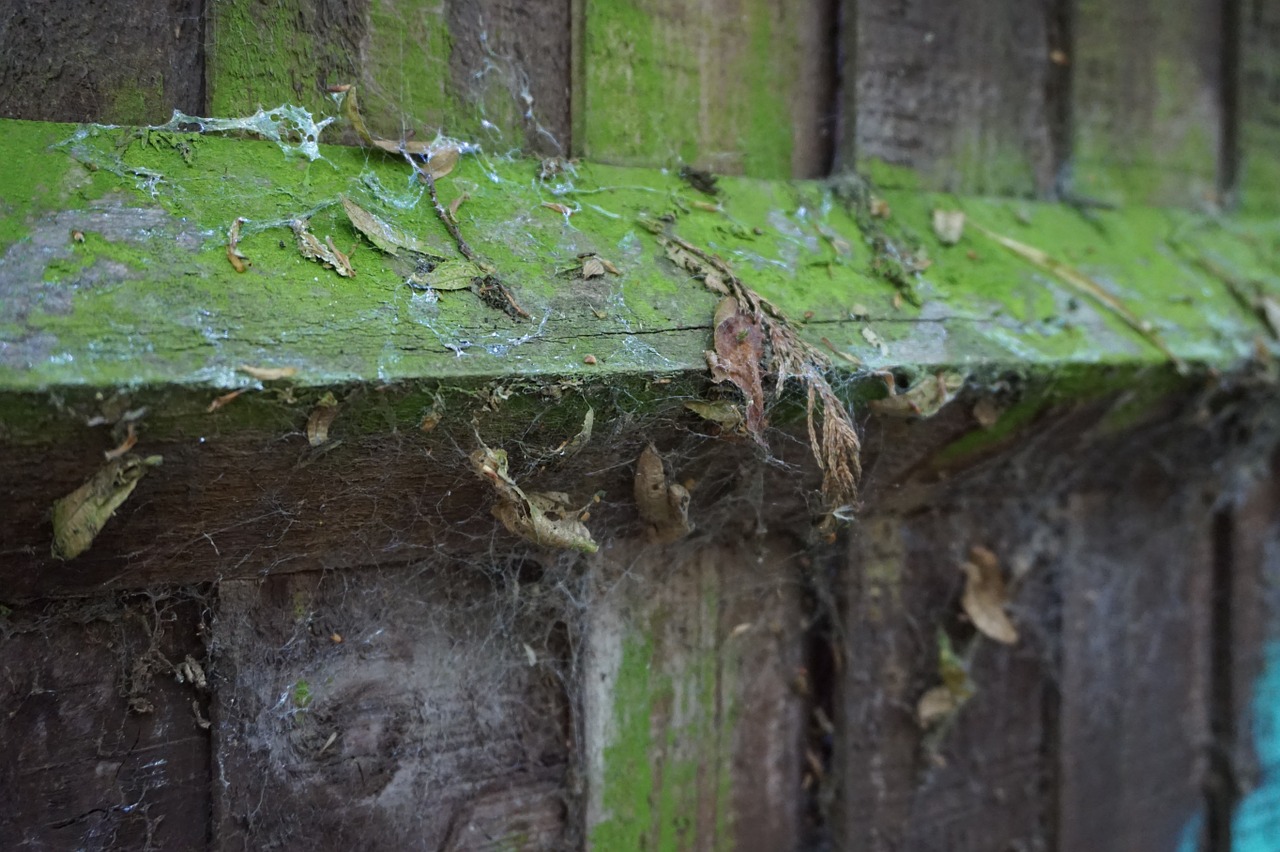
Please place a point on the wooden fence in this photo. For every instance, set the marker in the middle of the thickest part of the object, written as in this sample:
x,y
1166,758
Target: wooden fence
x,y
326,619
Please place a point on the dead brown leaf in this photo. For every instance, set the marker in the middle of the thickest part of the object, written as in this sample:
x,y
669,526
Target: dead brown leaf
x,y
220,401
81,515
268,374
985,596
382,234
948,226
546,519
130,438
924,399
562,209
739,350
321,417
238,261
663,505
325,252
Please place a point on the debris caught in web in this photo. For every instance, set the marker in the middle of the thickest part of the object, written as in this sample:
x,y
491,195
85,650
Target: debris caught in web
x,y
81,515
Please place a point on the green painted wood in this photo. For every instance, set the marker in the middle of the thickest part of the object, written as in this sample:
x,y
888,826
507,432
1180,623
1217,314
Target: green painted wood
x,y
1260,107
960,92
734,86
1147,105
494,72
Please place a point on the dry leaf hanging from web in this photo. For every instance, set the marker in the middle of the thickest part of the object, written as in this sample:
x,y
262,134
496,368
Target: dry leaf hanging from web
x,y
81,515
321,417
985,596
739,350
925,398
663,505
544,518
939,703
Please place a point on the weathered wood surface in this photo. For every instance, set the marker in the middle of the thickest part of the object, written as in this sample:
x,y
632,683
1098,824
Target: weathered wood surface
x,y
118,62
1259,105
735,86
101,746
492,72
1148,103
961,93
411,708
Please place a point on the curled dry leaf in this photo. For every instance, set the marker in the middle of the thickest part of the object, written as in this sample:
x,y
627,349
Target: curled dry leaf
x,y
663,505
268,374
987,412
721,412
924,399
321,417
382,234
81,515
948,226
449,275
575,444
739,350
544,518
130,438
325,252
562,209
238,261
220,401
985,596
940,702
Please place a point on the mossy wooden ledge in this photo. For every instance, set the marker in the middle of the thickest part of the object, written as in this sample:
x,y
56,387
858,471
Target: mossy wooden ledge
x,y
121,303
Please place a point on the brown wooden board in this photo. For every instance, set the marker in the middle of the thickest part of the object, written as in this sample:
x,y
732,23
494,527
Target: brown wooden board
x,y
734,86
980,779
495,72
1259,105
117,62
695,697
414,708
80,769
1148,101
1135,633
959,91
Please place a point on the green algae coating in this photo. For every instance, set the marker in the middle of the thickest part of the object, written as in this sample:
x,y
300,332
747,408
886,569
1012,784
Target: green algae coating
x,y
149,298
649,76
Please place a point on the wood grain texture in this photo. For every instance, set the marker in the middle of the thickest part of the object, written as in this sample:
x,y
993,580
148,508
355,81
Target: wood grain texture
x,y
957,91
1135,661
117,62
694,727
78,768
1148,101
735,86
1259,104
390,709
983,781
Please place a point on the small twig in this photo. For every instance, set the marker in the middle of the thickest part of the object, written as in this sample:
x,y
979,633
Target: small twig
x,y
449,224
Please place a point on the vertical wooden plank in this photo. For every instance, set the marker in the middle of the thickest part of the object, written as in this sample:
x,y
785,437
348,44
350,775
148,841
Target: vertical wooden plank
x,y
956,91
410,708
1136,621
1251,779
1148,106
116,62
983,780
494,72
100,747
1259,105
693,728
735,86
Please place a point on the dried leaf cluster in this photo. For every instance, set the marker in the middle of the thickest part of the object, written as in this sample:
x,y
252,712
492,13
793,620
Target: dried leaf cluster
x,y
544,518
753,337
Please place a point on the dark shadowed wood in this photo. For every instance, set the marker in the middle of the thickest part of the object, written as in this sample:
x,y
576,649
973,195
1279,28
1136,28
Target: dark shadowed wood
x,y
117,62
956,90
1259,104
80,769
394,709
495,72
1148,101
735,86
1135,634
981,780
